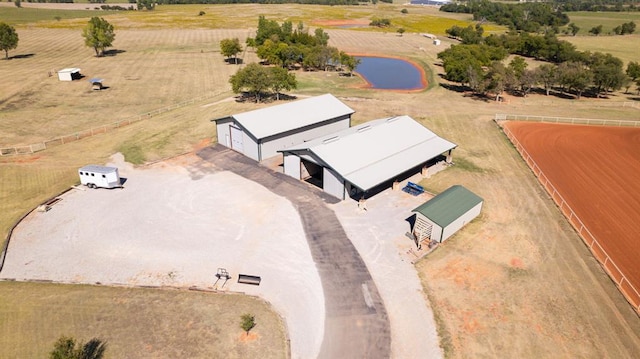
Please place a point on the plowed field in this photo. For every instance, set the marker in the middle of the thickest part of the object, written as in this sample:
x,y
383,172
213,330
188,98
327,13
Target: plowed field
x,y
595,169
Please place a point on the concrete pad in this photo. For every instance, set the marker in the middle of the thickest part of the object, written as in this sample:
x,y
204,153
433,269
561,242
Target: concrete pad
x,y
378,233
165,228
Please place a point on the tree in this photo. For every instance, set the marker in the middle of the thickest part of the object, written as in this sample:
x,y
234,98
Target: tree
x,y
628,28
67,348
527,81
459,59
574,76
607,72
349,61
321,37
400,31
8,38
146,4
499,78
548,75
518,65
98,34
596,30
230,48
573,29
282,79
253,78
633,70
267,29
380,22
247,322
466,35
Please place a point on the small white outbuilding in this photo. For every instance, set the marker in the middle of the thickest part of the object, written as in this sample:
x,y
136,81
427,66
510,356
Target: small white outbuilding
x,y
69,74
443,215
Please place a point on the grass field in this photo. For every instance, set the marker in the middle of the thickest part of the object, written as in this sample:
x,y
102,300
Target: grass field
x,y
21,16
623,47
586,20
177,324
500,288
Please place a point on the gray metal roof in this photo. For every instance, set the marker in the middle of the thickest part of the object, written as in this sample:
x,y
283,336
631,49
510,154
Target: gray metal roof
x,y
277,119
374,152
449,205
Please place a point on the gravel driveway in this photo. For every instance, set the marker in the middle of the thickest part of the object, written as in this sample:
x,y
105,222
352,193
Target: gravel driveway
x,y
167,227
175,224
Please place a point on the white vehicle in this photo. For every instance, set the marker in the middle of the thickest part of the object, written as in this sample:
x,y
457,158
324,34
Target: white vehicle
x,y
94,176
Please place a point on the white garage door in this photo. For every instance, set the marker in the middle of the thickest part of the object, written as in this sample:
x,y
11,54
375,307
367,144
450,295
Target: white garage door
x,y
236,139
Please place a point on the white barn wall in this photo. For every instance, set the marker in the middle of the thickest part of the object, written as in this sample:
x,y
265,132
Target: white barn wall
x,y
292,165
251,149
461,221
332,183
222,132
271,146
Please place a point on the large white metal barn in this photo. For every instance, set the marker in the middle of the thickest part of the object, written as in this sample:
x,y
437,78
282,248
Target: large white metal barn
x,y
261,133
443,215
360,161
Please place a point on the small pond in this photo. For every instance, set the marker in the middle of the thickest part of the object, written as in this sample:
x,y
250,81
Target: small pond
x,y
390,74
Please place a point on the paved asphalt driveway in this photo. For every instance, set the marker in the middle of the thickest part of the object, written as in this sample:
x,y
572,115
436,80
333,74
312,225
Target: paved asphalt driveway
x,y
356,324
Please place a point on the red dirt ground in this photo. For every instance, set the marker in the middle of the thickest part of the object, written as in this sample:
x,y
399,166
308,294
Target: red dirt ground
x,y
596,170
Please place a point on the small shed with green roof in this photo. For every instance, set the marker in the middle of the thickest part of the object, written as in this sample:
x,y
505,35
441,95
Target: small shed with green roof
x,y
443,215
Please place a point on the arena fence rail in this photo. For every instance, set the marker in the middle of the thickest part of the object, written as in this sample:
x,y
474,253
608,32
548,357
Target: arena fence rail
x,y
630,292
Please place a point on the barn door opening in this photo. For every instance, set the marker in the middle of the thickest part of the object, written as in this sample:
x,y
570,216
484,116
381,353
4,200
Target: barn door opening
x,y
422,229
311,173
236,139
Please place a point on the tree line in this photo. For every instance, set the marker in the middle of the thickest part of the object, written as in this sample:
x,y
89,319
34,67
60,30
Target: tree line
x,y
528,17
282,48
478,64
597,5
314,2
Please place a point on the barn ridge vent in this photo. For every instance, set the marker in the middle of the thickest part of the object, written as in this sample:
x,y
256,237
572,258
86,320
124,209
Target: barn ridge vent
x,y
331,139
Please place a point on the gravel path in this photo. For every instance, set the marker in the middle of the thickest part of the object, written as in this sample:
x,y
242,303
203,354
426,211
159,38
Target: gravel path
x,y
340,276
174,227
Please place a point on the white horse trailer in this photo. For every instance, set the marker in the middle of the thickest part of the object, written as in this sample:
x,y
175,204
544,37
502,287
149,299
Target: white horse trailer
x,y
94,176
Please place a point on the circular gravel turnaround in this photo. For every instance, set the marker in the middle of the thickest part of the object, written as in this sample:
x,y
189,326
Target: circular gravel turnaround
x,y
168,227
176,224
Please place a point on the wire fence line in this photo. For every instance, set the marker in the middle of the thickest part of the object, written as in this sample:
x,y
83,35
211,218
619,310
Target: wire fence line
x,y
568,120
61,140
630,292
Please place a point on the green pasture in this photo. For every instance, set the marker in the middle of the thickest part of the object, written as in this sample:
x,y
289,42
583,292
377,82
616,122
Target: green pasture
x,y
586,20
21,16
624,47
135,323
234,16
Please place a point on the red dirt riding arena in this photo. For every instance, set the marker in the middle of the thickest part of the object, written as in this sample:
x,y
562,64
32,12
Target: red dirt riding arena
x,y
596,170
